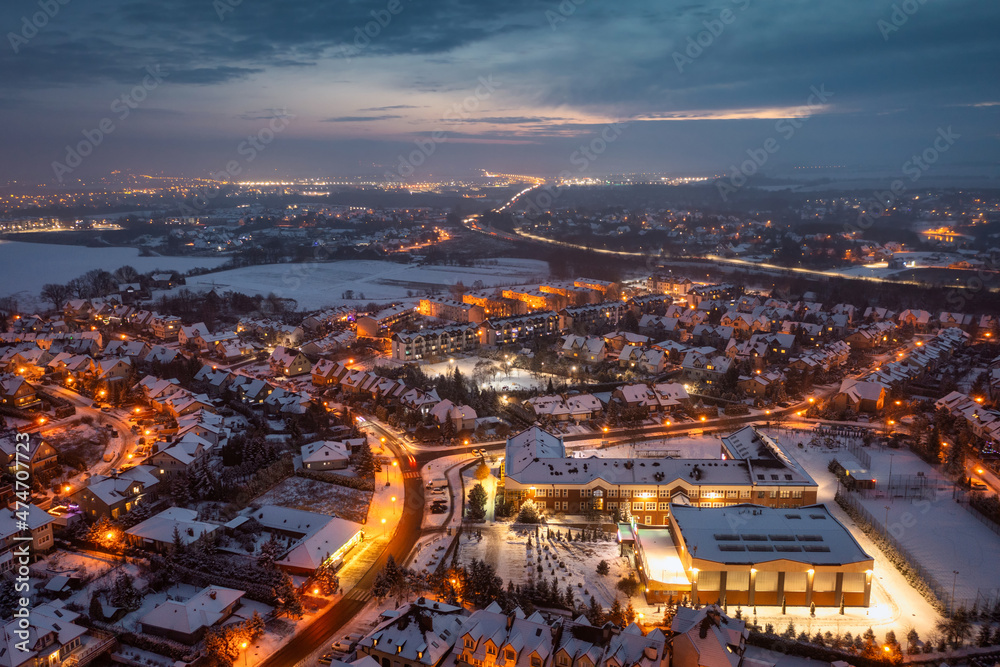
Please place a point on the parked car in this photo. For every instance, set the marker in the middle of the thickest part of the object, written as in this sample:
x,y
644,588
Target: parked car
x,y
326,659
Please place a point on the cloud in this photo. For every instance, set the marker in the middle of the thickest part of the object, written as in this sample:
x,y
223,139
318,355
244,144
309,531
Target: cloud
x,y
359,119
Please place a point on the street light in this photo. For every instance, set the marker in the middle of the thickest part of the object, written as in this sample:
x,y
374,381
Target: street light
x,y
245,651
383,527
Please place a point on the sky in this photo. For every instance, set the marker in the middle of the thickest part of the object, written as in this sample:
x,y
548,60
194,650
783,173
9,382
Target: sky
x,y
434,88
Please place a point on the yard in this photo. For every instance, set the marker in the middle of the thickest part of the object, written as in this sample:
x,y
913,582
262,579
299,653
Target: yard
x,y
506,549
321,497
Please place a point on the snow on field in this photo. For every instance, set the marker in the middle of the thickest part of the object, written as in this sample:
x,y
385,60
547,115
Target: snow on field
x,y
317,285
941,534
20,264
516,379
321,497
505,548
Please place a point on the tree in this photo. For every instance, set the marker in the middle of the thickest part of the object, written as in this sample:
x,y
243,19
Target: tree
x,y
629,614
96,612
629,585
912,642
57,294
482,472
477,503
392,581
124,594
270,551
616,614
603,568
286,599
366,465
595,613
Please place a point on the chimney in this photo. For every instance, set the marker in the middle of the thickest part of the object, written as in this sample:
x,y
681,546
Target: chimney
x,y
212,594
510,621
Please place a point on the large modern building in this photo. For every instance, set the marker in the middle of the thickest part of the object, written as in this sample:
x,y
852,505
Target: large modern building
x,y
442,341
752,555
752,468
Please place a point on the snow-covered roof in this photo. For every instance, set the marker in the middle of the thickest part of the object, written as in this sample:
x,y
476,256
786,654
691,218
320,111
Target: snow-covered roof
x,y
160,528
203,610
755,534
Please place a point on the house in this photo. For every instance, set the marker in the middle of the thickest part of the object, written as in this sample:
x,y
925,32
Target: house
x,y
326,372
39,455
289,362
116,495
16,392
39,522
184,456
860,396
312,540
186,621
441,341
706,637
491,638
462,416
187,336
590,349
325,455
53,639
157,532
418,634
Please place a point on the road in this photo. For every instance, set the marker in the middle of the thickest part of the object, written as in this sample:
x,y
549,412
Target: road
x,y
117,421
330,621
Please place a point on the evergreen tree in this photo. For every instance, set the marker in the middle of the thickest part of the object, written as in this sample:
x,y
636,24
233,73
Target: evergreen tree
x,y
912,642
616,614
595,613
603,568
476,510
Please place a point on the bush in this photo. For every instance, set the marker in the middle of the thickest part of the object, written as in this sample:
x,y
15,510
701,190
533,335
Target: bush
x,y
529,513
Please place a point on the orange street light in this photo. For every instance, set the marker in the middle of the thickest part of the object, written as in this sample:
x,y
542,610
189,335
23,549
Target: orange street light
x,y
704,418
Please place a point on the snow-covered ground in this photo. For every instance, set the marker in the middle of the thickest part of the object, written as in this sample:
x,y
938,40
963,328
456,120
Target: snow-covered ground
x,y
506,549
318,285
321,497
516,379
21,264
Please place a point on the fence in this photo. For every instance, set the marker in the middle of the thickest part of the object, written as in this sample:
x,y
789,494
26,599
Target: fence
x,y
862,457
904,560
986,521
906,486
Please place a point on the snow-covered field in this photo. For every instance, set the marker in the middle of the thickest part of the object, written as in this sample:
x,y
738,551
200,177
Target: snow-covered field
x,y
317,285
516,379
506,550
25,267
321,497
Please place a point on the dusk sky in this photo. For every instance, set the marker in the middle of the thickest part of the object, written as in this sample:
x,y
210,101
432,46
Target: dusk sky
x,y
561,73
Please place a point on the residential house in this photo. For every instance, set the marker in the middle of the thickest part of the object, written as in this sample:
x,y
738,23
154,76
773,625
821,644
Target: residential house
x,y
289,362
187,621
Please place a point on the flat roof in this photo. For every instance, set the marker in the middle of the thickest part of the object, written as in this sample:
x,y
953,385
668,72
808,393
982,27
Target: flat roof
x,y
748,534
662,560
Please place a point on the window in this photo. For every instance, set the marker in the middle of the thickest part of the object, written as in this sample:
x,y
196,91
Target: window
x,y
491,649
468,642
612,493
797,494
650,506
612,506
773,494
637,507
509,653
563,661
664,493
664,507
785,493
760,494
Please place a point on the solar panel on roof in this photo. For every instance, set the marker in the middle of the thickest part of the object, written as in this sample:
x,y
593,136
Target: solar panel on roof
x,y
759,547
809,538
788,548
816,548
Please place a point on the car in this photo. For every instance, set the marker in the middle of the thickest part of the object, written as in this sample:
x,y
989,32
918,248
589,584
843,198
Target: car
x,y
325,659
438,510
342,645
977,485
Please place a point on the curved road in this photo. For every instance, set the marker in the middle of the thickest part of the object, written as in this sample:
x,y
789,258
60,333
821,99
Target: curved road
x,y
331,620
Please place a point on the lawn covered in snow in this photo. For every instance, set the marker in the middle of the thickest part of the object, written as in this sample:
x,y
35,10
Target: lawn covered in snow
x,y
320,497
